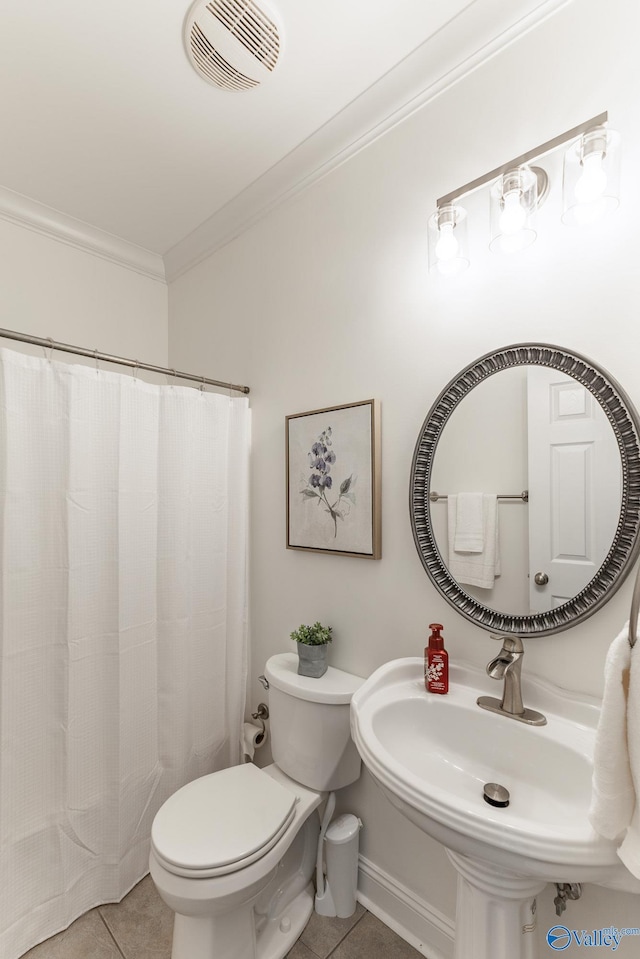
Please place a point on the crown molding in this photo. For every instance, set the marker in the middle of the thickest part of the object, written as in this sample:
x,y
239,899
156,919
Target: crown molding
x,y
460,47
34,216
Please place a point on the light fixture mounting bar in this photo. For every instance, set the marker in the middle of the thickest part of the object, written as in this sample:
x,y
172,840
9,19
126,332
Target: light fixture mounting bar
x,y
534,154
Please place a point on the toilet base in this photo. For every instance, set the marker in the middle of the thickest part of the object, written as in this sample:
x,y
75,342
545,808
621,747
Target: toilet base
x,y
206,937
277,936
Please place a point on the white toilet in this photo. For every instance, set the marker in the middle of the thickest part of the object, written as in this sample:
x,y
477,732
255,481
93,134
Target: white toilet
x,y
233,853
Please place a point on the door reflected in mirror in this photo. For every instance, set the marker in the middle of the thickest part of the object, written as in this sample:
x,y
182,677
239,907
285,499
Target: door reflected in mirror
x,y
536,429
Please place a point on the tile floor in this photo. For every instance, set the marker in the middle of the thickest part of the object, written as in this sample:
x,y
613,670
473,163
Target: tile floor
x,y
140,927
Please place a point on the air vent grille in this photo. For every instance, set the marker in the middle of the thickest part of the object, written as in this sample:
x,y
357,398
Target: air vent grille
x,y
234,44
251,27
214,66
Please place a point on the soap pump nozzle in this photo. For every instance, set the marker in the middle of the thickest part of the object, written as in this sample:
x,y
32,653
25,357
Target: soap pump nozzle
x,y
435,639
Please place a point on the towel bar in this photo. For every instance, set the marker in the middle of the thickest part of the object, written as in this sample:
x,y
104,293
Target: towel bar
x,y
524,496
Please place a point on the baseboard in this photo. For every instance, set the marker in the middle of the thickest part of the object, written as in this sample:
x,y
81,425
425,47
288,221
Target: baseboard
x,y
417,922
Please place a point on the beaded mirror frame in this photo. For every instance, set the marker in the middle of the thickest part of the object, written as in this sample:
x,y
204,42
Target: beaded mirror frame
x,y
626,542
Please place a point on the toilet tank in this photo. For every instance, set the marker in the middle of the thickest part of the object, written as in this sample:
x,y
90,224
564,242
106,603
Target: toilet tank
x,y
309,718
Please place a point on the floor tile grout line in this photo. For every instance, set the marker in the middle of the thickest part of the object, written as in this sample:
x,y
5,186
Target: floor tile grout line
x,y
326,955
347,933
115,941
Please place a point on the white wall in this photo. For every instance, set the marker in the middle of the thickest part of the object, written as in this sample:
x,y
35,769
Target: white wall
x,y
328,301
51,289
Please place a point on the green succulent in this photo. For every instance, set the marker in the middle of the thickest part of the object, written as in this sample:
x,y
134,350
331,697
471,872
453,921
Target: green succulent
x,y
316,635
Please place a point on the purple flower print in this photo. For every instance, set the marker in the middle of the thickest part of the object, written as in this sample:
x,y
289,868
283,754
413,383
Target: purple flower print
x,y
321,459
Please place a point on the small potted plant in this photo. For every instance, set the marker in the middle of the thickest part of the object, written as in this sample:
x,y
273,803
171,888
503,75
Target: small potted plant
x,y
312,649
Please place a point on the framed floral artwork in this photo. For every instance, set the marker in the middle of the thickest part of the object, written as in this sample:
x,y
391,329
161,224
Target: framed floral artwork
x,y
333,480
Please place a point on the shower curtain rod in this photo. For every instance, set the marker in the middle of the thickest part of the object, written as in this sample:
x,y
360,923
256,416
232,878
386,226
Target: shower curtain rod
x,y
48,343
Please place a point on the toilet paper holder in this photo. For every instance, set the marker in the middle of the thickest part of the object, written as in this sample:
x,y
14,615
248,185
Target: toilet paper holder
x,y
261,714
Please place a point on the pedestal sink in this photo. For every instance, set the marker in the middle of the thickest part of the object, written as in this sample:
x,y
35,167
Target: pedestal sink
x,y
432,756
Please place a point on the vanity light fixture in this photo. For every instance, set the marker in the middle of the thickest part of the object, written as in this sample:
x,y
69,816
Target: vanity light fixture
x,y
591,174
514,199
448,238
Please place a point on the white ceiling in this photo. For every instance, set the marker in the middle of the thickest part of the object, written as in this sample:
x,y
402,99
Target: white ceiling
x,y
104,121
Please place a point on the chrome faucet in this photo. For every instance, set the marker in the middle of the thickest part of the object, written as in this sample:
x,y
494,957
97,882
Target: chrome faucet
x,y
508,666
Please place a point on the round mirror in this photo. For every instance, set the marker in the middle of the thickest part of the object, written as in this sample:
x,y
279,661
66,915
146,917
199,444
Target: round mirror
x,y
525,490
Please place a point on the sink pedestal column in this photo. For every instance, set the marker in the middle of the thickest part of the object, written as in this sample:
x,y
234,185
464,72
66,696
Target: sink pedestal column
x,y
495,911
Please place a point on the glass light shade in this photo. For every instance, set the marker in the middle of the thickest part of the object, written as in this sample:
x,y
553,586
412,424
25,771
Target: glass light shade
x,y
514,199
591,177
448,254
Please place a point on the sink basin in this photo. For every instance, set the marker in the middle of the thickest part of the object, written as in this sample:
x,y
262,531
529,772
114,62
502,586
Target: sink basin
x,y
433,754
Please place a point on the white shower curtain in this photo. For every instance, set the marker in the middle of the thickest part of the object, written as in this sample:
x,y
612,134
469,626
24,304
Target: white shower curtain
x,y
123,525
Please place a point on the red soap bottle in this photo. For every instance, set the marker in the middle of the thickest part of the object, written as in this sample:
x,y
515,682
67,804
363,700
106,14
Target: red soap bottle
x,y
436,662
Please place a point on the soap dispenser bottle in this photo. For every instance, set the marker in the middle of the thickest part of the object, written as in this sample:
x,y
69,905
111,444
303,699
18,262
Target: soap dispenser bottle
x,y
436,662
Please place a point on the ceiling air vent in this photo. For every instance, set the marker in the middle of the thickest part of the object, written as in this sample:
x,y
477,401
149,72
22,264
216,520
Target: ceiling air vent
x,y
234,44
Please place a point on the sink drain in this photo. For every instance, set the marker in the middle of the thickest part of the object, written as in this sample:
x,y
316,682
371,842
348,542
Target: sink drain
x,y
496,795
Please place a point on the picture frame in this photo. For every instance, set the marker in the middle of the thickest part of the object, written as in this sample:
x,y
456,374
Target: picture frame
x,y
333,480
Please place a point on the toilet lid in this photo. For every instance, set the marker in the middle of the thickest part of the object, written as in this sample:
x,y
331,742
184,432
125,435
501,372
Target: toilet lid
x,y
222,821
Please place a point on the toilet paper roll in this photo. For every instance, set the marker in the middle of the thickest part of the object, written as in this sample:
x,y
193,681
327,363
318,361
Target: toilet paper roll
x,y
253,737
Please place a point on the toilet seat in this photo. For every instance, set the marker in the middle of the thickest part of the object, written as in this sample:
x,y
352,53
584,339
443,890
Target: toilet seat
x,y
222,822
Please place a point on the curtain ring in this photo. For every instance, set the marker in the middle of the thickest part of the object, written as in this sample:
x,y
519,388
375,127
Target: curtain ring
x,y
202,386
135,370
95,356
50,341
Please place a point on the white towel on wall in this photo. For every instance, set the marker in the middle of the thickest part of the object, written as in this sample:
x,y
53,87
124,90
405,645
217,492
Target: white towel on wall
x,y
475,568
615,800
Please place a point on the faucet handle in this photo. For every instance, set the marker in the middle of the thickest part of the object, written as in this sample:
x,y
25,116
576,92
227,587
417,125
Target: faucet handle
x,y
510,642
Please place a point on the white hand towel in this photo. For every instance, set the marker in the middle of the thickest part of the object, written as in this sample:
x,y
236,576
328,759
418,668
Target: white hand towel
x,y
615,811
469,532
476,569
